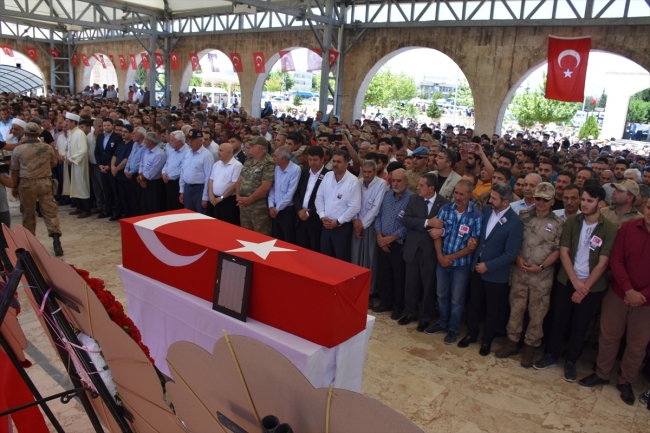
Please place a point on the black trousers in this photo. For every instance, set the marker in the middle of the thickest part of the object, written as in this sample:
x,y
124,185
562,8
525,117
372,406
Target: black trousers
x,y
284,225
153,197
494,296
136,196
172,193
579,315
308,233
421,285
112,202
83,204
124,187
337,242
227,210
391,275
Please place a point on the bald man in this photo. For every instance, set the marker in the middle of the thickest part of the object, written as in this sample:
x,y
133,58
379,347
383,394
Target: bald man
x,y
221,186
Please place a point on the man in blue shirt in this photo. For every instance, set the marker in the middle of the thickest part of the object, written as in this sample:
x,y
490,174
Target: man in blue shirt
x,y
132,169
391,267
150,177
455,241
171,172
123,206
280,198
195,174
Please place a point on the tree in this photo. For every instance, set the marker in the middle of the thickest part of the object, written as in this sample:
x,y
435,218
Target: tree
x,y
602,101
531,107
278,81
464,95
638,110
589,128
196,80
140,76
405,109
386,88
315,82
297,100
433,111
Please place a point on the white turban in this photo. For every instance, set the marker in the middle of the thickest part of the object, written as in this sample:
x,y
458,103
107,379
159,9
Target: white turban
x,y
72,116
19,122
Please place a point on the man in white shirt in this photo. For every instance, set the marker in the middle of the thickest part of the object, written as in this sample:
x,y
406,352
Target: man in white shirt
x,y
221,186
195,173
528,202
337,202
176,150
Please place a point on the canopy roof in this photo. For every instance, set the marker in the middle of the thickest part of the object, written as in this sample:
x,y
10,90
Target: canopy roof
x,y
13,79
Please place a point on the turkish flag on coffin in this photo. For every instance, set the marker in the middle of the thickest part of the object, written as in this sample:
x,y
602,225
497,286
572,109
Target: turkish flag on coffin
x,y
313,296
567,68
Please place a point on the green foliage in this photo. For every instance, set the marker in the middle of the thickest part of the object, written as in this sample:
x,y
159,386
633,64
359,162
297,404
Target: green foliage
x,y
315,82
464,96
433,111
278,81
531,107
140,76
602,101
638,110
297,100
404,109
590,127
196,80
387,88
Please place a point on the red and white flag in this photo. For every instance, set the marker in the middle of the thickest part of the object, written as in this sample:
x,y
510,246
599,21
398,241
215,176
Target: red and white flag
x,y
123,65
110,56
314,60
7,50
286,61
101,60
84,58
333,56
212,57
55,53
160,61
194,59
237,64
32,53
567,68
134,63
74,60
145,61
173,57
258,61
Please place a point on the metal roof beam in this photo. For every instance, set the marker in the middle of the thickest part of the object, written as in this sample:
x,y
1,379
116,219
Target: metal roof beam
x,y
11,15
125,7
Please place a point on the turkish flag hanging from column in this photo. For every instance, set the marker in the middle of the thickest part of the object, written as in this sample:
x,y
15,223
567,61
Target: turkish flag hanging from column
x,y
314,60
286,61
101,60
32,53
160,61
237,65
134,63
74,60
84,58
145,61
258,61
567,68
123,65
110,56
173,57
333,56
7,50
55,53
194,60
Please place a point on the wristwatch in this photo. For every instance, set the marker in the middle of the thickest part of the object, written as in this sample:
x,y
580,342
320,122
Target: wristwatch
x,y
541,266
221,197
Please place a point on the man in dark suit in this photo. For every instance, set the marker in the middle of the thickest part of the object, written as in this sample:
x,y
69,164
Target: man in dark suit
x,y
420,252
105,147
308,224
238,149
501,237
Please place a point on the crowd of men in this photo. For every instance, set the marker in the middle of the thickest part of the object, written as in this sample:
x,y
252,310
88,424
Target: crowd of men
x,y
530,235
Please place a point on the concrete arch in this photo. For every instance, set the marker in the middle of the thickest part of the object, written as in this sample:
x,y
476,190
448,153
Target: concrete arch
x,y
363,87
24,60
93,60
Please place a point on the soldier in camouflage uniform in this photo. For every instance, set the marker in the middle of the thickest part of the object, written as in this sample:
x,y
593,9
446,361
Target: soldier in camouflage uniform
x,y
31,170
532,274
253,187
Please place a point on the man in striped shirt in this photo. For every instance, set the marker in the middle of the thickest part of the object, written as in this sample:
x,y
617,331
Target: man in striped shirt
x,y
456,239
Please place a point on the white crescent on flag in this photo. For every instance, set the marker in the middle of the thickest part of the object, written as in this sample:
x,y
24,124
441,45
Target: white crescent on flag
x,y
258,60
565,53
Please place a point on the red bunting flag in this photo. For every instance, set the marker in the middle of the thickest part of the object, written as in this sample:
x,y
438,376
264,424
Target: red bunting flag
x,y
258,61
110,56
74,60
7,50
286,61
123,65
196,66
84,58
145,61
101,60
32,53
333,56
593,101
567,68
134,63
173,57
237,64
160,62
55,53
212,57
314,60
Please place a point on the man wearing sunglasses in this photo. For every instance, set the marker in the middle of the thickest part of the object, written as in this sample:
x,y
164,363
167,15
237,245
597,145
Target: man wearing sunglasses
x,y
532,275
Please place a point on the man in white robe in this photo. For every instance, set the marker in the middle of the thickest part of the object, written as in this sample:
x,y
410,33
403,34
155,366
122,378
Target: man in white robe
x,y
77,185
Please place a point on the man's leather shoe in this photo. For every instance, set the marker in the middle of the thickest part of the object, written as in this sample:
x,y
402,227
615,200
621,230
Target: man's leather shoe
x,y
103,215
593,380
75,212
114,218
381,309
396,315
485,349
466,341
627,395
95,211
508,349
84,215
406,320
422,326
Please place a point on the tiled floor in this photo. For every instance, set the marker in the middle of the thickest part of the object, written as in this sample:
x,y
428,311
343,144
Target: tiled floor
x,y
441,388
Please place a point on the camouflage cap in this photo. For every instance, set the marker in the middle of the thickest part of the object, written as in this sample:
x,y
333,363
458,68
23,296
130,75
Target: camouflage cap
x,y
365,137
545,190
33,128
426,137
258,139
627,185
357,133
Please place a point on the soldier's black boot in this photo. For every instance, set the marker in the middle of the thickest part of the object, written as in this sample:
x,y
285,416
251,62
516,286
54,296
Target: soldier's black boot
x,y
58,251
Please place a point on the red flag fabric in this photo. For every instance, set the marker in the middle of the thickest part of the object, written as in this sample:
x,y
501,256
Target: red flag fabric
x,y
173,57
196,65
314,60
593,101
134,63
101,60
74,60
237,64
212,57
567,68
258,61
32,53
123,65
84,58
7,50
110,56
145,61
55,53
160,61
333,56
286,61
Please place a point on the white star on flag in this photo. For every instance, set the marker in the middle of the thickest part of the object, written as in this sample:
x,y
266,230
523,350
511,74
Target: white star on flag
x,y
568,73
262,249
